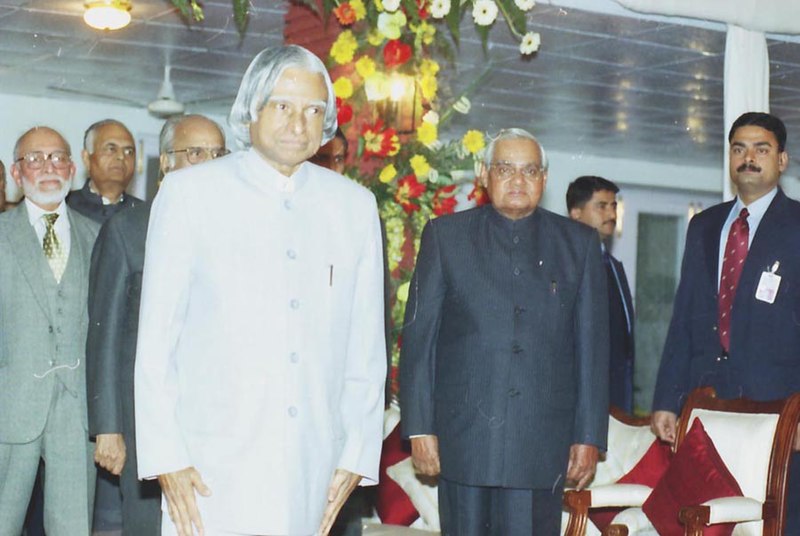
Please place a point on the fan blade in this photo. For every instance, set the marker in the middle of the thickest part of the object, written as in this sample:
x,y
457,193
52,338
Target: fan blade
x,y
84,93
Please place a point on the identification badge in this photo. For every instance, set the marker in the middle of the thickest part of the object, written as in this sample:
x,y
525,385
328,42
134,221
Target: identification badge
x,y
768,285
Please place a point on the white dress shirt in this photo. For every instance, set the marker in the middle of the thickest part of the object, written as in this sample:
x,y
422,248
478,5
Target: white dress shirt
x,y
756,211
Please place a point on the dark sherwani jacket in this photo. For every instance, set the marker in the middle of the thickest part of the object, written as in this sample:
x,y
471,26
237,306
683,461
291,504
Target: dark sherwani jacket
x,y
505,346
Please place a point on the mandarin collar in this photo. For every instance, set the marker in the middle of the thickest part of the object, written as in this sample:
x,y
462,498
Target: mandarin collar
x,y
264,176
507,224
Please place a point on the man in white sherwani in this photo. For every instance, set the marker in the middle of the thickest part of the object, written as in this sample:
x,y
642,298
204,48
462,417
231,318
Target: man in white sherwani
x,y
261,360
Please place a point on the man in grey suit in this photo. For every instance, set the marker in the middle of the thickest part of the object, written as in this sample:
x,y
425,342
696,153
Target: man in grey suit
x,y
504,365
44,271
116,279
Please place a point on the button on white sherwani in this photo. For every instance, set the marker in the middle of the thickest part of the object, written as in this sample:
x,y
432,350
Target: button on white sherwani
x,y
261,355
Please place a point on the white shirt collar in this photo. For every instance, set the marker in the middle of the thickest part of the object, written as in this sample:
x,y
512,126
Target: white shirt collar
x,y
264,175
36,213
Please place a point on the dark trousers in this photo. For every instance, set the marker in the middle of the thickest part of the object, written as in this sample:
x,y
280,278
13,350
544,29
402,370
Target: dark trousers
x,y
141,501
490,511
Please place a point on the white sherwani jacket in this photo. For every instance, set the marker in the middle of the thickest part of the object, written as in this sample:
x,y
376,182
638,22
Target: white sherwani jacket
x,y
261,357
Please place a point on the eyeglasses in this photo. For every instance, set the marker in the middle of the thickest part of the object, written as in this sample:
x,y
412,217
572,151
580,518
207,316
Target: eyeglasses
x,y
506,171
111,149
195,155
36,159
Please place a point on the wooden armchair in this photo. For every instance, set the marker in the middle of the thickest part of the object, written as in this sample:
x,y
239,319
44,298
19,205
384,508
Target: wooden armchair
x,y
628,439
759,464
754,440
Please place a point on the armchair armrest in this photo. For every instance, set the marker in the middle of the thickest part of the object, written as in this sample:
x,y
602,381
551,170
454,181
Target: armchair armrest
x,y
629,521
622,495
577,503
722,510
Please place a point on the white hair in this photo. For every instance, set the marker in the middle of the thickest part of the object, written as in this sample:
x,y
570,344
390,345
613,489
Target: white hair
x,y
259,82
515,134
166,139
91,133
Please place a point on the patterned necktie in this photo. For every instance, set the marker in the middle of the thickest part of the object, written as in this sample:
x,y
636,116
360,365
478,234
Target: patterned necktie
x,y
55,254
732,264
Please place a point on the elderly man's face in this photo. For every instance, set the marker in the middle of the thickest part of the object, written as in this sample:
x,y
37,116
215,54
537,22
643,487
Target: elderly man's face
x,y
45,184
196,140
514,179
288,130
113,159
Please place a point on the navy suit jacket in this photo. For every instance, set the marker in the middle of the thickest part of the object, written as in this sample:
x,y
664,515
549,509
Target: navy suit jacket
x,y
505,346
622,341
763,362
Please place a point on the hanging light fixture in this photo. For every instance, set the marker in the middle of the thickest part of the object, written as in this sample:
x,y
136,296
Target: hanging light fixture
x,y
107,14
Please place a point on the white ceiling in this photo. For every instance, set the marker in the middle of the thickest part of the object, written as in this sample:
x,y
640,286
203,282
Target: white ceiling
x,y
602,83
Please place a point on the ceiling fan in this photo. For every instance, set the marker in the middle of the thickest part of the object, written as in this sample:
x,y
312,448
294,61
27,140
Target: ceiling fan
x,y
166,103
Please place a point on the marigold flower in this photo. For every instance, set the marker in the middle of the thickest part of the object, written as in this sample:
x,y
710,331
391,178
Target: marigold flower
x,y
402,292
343,87
359,9
345,14
365,67
344,47
429,87
427,133
484,12
473,141
387,174
428,67
420,166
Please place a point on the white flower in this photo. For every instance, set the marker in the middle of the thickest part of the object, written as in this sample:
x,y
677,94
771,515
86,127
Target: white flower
x,y
530,43
484,12
440,8
391,5
462,105
431,117
525,5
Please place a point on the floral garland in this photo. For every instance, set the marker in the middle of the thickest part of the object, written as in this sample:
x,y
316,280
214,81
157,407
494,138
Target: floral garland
x,y
413,174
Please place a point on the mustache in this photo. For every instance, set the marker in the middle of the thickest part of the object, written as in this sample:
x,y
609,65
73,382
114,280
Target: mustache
x,y
748,166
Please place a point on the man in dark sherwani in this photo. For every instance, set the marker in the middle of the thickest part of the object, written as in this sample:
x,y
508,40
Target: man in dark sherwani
x,y
504,365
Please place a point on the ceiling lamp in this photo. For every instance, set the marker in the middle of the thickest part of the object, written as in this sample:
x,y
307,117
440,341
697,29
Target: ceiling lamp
x,y
107,14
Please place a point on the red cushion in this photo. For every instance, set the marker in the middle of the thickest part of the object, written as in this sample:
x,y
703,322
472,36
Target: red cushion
x,y
697,474
392,504
648,471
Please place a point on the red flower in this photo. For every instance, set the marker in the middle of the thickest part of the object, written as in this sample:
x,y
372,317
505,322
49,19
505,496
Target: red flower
x,y
409,188
344,112
423,9
345,14
444,202
396,53
479,195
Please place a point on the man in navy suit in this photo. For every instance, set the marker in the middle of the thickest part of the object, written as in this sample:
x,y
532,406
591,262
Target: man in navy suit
x,y
593,201
736,319
504,365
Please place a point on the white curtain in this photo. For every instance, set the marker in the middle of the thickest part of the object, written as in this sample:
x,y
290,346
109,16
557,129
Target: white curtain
x,y
746,83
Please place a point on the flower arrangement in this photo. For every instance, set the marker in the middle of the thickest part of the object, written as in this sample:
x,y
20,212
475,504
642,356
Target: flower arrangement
x,y
414,175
